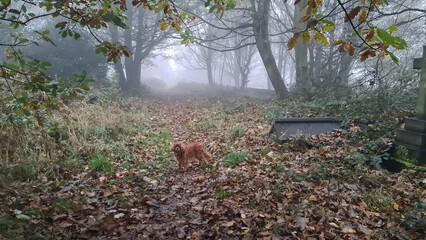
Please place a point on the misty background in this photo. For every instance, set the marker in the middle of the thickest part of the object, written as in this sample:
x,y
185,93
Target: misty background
x,y
222,50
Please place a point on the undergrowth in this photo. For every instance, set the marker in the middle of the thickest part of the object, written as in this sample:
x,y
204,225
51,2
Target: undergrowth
x,y
372,117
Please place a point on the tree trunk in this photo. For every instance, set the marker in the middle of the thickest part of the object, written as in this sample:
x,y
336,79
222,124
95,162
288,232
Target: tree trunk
x,y
141,37
244,80
301,55
118,65
209,65
261,31
131,65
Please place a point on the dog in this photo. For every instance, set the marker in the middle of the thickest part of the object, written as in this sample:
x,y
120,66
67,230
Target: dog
x,y
185,152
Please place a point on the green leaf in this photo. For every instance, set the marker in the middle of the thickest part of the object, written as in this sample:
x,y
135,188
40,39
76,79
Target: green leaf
x,y
212,8
394,58
319,37
76,36
328,22
230,5
101,49
399,43
328,28
61,25
164,26
117,21
392,29
385,36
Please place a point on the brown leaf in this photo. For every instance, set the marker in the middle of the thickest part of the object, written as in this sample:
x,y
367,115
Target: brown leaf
x,y
65,224
364,229
102,179
293,41
228,224
364,56
342,48
363,16
110,223
301,222
60,216
312,198
353,13
304,18
348,229
351,50
334,225
312,23
306,37
369,35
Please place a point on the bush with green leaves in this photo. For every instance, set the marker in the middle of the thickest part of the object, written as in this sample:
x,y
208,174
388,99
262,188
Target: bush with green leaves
x,y
373,153
415,217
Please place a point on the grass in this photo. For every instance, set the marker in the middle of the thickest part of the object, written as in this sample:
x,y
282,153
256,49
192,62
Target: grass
x,y
206,125
157,154
11,227
265,151
24,172
277,229
221,194
378,201
62,205
235,158
236,133
100,163
278,190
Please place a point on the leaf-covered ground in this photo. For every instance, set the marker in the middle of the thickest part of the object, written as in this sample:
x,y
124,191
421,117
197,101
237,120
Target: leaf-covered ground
x,y
253,188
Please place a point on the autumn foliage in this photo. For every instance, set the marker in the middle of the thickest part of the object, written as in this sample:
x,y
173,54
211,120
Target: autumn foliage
x,y
115,175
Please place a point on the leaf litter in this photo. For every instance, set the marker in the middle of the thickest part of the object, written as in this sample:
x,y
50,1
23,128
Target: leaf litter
x,y
308,188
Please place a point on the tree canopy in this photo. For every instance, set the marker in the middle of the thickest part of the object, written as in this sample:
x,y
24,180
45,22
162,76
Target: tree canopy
x,y
19,71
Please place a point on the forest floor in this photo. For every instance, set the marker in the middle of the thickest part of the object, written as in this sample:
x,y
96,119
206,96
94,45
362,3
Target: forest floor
x,y
123,182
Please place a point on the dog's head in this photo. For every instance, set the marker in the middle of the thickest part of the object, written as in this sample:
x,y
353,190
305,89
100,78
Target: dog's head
x,y
178,148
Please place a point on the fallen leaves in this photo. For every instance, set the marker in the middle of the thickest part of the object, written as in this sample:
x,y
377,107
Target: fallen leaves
x,y
307,187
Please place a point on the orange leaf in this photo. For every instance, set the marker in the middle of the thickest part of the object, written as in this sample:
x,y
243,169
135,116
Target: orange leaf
x,y
293,41
306,36
363,16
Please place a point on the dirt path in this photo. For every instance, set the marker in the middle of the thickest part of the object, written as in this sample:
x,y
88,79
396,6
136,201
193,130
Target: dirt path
x,y
184,206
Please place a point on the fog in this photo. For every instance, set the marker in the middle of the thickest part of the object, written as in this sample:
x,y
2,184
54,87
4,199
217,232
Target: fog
x,y
225,52
166,66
